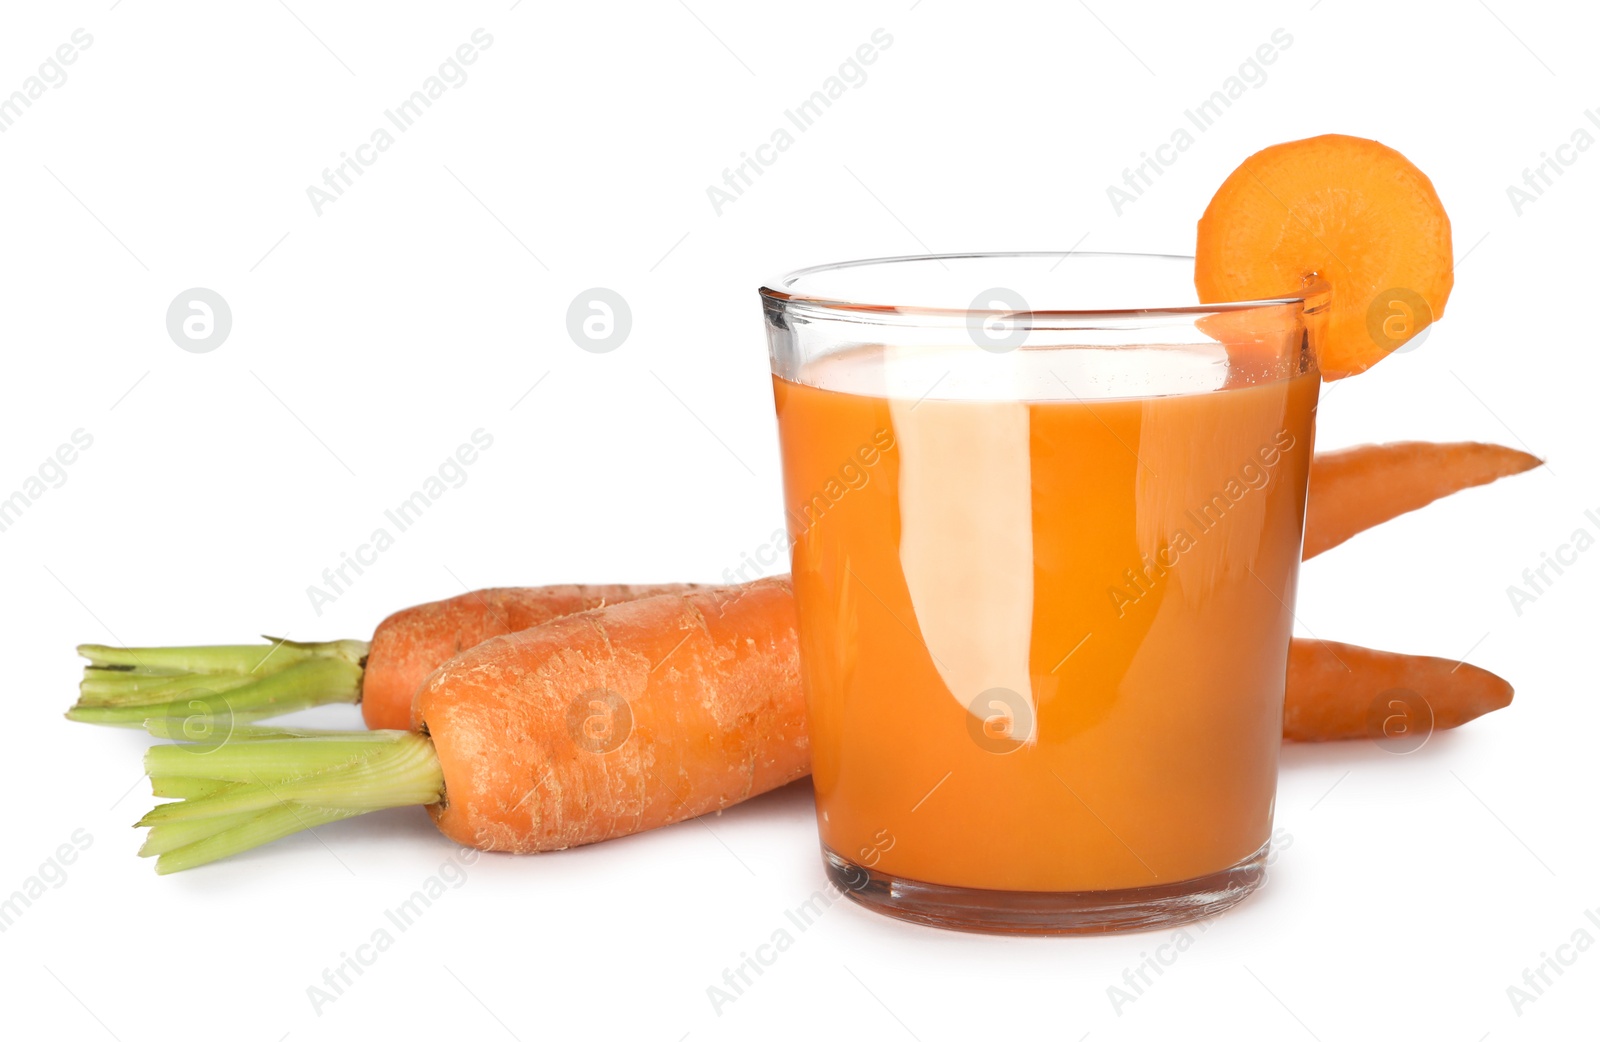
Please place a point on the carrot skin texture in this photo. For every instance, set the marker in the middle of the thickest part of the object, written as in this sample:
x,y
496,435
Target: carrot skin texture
x,y
529,744
1332,688
412,643
1356,488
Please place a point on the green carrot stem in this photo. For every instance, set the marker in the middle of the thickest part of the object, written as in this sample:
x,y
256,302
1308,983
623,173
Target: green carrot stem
x,y
330,787
268,783
209,690
130,689
219,658
258,831
163,839
250,732
262,761
176,788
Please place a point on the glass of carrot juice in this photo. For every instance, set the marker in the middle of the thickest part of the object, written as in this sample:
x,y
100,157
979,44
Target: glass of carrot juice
x,y
1045,515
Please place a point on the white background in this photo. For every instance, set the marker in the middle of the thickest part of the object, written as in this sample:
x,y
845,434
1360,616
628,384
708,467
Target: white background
x,y
368,342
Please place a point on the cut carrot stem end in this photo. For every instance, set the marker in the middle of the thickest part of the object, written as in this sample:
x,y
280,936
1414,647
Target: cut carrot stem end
x,y
205,690
262,784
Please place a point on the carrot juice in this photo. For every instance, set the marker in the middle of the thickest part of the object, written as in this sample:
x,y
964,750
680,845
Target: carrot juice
x,y
1044,623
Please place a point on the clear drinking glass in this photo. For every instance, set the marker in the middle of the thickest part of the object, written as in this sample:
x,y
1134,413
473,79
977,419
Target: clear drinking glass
x,y
1046,515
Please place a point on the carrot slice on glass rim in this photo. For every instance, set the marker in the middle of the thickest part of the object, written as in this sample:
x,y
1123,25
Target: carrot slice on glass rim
x,y
1354,212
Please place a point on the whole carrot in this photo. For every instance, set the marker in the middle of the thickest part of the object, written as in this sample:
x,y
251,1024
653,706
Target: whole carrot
x,y
127,686
1353,489
1338,691
590,726
631,717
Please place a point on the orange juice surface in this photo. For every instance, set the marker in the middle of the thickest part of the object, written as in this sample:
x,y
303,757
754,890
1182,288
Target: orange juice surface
x,y
1043,636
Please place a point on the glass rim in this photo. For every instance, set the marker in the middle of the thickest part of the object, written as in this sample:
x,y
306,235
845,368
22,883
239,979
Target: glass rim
x,y
1312,295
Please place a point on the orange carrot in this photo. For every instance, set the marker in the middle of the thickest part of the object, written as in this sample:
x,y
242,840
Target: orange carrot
x,y
412,643
206,688
591,726
1353,489
622,719
1338,691
1355,213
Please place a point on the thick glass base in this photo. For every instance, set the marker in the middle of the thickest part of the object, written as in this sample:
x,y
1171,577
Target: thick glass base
x,y
1042,912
